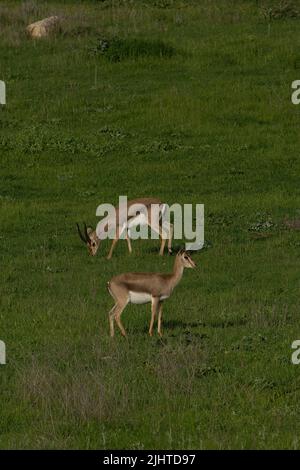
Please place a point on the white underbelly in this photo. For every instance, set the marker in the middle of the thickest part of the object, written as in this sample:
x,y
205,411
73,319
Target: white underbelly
x,y
143,297
163,297
139,297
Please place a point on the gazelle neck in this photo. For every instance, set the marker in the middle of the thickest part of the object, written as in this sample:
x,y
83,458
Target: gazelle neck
x,y
177,272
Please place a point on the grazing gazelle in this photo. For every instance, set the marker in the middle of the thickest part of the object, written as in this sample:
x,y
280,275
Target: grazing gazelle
x,y
141,288
92,239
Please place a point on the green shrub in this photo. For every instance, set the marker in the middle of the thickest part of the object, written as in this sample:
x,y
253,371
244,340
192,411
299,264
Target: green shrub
x,y
117,49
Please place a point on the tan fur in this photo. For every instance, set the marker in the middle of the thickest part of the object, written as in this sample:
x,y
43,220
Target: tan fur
x,y
156,285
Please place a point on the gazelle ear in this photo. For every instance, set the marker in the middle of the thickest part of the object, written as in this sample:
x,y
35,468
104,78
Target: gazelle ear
x,y
89,230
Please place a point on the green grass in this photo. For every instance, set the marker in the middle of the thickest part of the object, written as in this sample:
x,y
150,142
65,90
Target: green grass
x,y
214,124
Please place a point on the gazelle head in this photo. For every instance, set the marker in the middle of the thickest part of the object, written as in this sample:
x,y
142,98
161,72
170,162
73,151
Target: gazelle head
x,y
185,259
89,237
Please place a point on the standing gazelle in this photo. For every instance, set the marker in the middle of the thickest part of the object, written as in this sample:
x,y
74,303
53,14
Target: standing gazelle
x,y
141,288
143,205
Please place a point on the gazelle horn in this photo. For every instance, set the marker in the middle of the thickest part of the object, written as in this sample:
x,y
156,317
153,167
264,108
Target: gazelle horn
x,y
81,235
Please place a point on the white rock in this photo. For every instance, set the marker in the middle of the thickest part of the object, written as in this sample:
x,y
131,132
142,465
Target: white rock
x,y
44,27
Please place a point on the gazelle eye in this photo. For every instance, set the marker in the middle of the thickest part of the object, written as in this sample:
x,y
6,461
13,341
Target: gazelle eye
x,y
94,244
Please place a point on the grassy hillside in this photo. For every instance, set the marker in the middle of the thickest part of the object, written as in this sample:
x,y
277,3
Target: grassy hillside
x,y
209,121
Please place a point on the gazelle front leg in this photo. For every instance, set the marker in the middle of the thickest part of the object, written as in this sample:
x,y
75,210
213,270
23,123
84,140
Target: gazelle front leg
x,y
112,248
163,243
154,306
159,318
114,242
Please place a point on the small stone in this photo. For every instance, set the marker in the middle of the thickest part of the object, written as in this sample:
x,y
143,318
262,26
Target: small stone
x,y
44,28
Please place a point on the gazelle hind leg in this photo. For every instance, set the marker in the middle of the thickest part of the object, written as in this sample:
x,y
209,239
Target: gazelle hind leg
x,y
162,246
159,318
153,314
167,227
111,317
158,230
117,317
162,237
